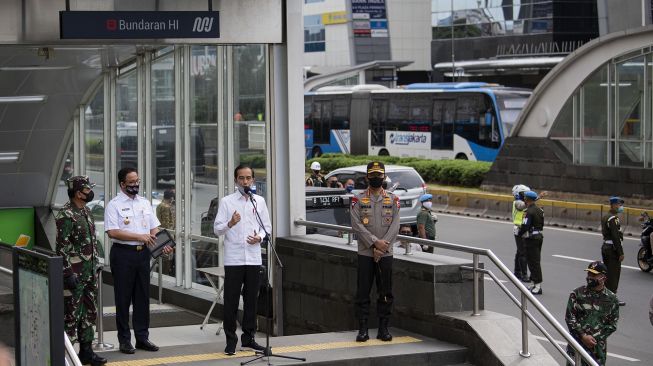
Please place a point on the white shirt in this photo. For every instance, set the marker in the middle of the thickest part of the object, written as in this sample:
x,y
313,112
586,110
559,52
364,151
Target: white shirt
x,y
130,214
237,252
398,249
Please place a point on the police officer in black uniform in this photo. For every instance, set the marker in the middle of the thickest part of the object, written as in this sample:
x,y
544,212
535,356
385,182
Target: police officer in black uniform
x,y
531,231
612,251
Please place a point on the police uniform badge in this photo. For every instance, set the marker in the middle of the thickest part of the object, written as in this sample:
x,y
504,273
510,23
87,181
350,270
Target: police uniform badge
x,y
365,200
397,202
386,200
366,220
387,220
126,221
354,202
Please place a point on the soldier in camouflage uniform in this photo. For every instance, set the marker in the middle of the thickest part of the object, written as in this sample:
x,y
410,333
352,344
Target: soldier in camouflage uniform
x,y
592,313
77,244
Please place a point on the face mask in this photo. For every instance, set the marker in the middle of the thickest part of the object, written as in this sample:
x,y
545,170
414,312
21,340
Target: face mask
x,y
333,184
349,188
592,282
620,209
133,190
376,182
240,189
89,196
427,205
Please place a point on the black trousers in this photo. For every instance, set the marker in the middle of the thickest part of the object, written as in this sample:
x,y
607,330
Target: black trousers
x,y
368,272
534,256
236,278
521,262
131,286
611,260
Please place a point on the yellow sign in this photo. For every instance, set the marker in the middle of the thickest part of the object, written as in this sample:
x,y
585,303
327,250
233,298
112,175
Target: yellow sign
x,y
334,17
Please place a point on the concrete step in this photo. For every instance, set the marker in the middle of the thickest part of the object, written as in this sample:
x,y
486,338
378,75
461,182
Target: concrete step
x,y
338,349
164,315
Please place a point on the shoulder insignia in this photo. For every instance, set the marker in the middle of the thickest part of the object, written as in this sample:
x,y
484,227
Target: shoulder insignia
x,y
397,202
386,200
365,200
354,201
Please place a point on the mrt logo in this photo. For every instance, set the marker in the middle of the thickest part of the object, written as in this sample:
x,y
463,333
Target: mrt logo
x,y
112,24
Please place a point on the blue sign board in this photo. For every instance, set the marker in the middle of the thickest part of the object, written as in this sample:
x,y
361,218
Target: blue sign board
x,y
375,8
138,24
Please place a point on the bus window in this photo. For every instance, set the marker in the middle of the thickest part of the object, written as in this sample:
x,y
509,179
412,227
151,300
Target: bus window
x,y
321,121
378,121
420,114
340,120
444,111
476,121
398,108
308,107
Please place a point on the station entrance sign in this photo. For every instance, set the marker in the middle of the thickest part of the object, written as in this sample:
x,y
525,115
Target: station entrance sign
x,y
138,24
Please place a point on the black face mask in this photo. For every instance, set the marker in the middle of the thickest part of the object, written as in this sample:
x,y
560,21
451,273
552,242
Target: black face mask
x,y
133,190
592,282
333,184
89,196
376,182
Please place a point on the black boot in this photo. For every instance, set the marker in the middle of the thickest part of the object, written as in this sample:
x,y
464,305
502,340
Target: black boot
x,y
362,335
87,356
383,333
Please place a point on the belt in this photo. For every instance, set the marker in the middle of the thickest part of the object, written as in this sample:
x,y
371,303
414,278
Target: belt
x,y
609,242
536,232
136,248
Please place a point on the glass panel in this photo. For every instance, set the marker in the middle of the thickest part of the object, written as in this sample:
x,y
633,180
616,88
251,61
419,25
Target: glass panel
x,y
249,100
595,104
163,147
127,120
568,144
203,150
564,123
631,154
94,156
61,195
630,85
594,152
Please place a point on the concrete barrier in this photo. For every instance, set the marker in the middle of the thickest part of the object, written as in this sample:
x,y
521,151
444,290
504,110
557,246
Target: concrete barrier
x,y
457,203
440,199
547,206
563,214
476,204
499,207
630,221
588,216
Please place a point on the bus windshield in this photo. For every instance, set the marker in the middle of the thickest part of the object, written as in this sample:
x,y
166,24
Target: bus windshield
x,y
510,105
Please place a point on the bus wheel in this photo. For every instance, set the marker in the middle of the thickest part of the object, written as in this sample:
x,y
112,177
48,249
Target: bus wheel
x,y
461,156
384,152
317,152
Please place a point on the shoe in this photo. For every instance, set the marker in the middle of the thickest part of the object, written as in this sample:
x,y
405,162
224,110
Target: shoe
x,y
146,345
127,348
230,351
525,278
383,333
88,357
622,303
253,345
536,289
362,335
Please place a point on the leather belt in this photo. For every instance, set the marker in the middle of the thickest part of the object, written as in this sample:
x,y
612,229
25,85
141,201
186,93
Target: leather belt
x,y
136,248
609,242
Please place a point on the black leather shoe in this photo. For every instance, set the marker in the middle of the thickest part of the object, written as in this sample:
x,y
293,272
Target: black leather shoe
x,y
253,345
362,335
147,345
88,357
383,333
127,348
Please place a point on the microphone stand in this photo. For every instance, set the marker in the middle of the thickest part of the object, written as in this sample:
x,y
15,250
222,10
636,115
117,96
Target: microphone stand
x,y
267,352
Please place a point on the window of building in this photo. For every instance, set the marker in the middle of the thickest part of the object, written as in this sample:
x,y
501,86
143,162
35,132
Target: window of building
x,y
314,34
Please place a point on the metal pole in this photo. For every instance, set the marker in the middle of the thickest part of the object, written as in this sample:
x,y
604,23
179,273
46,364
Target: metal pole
x,y
350,239
100,345
453,58
160,279
577,359
476,287
524,327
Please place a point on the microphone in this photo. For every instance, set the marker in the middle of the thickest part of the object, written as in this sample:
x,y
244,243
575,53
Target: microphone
x,y
248,191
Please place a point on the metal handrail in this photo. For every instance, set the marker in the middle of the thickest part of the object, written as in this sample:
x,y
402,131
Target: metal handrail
x,y
526,295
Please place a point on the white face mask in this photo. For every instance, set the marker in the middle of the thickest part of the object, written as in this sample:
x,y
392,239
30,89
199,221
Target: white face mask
x,y
427,205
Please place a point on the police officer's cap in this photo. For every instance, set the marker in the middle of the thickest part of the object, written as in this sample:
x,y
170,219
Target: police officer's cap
x,y
79,182
531,195
316,165
426,197
375,167
615,199
597,267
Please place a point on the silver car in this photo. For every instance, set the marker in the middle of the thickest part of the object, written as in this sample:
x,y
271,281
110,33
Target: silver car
x,y
403,181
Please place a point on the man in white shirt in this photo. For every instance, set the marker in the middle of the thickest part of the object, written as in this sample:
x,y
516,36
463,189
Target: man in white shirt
x,y
243,233
131,224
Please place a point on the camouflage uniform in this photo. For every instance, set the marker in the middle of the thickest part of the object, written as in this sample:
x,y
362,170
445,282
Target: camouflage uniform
x,y
316,180
77,244
595,313
165,214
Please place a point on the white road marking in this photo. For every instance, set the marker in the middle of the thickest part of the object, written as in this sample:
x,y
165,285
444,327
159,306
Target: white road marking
x,y
593,233
589,261
564,344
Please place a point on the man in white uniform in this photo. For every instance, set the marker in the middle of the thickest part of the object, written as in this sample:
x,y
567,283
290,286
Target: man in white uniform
x,y
243,234
132,226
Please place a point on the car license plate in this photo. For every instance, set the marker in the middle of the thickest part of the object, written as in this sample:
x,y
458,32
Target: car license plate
x,y
406,203
327,201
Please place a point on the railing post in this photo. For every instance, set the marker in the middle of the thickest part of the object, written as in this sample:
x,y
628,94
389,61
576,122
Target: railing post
x,y
577,358
524,327
350,238
100,345
160,279
476,287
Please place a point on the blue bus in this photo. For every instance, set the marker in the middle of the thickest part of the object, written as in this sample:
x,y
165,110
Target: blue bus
x,y
466,120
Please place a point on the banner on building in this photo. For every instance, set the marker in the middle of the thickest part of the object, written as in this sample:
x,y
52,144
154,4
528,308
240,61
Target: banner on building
x,y
334,17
